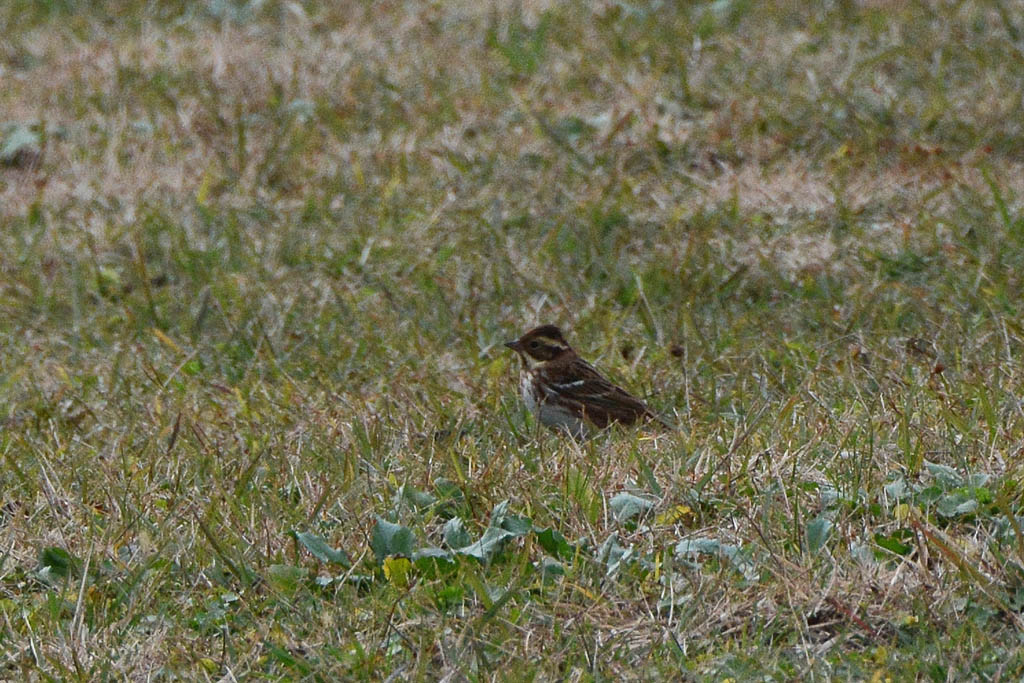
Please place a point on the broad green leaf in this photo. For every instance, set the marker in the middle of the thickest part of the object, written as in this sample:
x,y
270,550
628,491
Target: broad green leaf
x,y
829,495
391,539
514,524
396,571
892,544
929,495
488,544
818,530
675,514
59,562
978,479
613,555
321,551
554,543
626,506
694,546
455,534
551,569
418,499
519,526
431,559
945,476
862,552
498,513
21,137
897,489
710,546
448,595
956,504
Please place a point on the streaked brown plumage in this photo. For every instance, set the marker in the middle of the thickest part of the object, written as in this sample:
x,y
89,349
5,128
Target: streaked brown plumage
x,y
565,392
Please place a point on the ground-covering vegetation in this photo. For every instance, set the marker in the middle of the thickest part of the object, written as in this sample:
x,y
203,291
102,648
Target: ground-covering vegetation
x,y
257,261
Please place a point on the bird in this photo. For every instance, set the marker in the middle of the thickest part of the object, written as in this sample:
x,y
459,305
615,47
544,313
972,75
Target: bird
x,y
566,393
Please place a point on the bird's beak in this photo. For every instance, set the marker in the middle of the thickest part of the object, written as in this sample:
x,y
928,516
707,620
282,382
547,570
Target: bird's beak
x,y
514,344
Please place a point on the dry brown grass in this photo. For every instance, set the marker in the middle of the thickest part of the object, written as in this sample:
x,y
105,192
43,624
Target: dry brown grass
x,y
255,277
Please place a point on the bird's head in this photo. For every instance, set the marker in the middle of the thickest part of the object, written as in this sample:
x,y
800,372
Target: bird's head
x,y
540,345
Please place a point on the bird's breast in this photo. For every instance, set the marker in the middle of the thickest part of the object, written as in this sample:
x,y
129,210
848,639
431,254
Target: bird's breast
x,y
551,413
529,391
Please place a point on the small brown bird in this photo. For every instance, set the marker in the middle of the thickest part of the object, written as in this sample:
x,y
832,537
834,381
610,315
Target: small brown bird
x,y
565,392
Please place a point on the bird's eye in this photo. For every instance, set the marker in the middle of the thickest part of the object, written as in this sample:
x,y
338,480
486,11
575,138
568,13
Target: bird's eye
x,y
535,344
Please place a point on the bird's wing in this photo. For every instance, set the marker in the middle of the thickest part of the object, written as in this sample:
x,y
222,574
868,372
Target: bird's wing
x,y
596,397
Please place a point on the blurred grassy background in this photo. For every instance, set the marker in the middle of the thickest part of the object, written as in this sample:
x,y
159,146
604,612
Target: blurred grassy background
x,y
257,261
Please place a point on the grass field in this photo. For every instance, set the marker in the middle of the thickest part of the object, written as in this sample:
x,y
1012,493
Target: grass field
x,y
257,262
